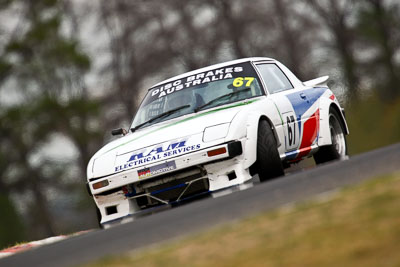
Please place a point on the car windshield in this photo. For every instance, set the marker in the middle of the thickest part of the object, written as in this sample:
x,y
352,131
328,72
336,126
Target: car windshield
x,y
197,93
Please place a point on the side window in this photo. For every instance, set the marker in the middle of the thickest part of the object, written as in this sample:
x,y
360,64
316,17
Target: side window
x,y
274,78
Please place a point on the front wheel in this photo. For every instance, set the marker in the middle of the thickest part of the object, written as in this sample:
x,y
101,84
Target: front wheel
x,y
268,164
338,149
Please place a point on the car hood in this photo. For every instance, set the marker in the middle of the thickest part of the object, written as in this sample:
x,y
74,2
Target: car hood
x,y
148,145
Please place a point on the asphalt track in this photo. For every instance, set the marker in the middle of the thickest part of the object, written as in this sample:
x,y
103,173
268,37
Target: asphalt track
x,y
206,213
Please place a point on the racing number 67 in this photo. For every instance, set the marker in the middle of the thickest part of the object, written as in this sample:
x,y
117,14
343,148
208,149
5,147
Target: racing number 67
x,y
239,81
291,125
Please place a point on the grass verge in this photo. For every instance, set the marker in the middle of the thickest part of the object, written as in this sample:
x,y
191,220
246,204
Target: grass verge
x,y
372,123
358,226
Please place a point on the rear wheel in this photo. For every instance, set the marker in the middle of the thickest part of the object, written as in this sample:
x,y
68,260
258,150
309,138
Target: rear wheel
x,y
268,164
338,149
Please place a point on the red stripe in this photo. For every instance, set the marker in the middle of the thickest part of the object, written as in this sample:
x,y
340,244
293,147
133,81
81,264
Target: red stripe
x,y
310,132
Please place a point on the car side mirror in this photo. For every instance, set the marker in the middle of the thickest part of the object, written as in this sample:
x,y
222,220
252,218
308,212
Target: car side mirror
x,y
119,131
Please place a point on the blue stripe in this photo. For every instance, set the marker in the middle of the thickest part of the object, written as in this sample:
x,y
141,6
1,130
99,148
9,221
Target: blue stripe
x,y
291,155
301,105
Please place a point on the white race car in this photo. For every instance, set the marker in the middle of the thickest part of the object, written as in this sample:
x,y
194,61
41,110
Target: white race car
x,y
215,128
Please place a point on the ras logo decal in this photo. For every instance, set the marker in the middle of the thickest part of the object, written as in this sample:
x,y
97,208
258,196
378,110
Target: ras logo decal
x,y
158,152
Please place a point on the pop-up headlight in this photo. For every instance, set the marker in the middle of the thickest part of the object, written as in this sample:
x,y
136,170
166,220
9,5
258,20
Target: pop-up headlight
x,y
215,132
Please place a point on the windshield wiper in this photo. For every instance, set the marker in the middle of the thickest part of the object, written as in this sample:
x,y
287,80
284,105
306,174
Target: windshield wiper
x,y
167,113
220,97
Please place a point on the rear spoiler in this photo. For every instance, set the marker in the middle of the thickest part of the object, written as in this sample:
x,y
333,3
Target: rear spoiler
x,y
318,81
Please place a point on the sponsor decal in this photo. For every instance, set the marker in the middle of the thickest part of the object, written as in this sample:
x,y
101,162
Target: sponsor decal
x,y
201,78
157,152
158,169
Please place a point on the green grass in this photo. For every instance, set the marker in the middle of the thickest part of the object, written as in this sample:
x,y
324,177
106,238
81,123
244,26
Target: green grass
x,y
359,226
372,124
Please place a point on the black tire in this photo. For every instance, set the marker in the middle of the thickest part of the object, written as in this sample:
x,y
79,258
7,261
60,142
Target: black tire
x,y
268,164
338,149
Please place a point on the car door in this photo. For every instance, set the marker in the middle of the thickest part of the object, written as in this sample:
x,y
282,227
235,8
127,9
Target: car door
x,y
306,109
291,102
299,115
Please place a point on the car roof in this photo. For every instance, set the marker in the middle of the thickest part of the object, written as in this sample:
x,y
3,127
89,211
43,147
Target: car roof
x,y
215,66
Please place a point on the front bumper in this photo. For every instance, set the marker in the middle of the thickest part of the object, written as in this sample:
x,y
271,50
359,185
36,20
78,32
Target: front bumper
x,y
103,184
191,175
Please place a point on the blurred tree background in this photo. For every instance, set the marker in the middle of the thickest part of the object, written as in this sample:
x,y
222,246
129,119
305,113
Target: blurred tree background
x,y
72,70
